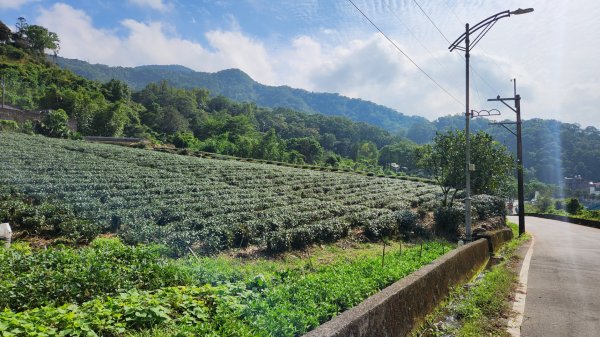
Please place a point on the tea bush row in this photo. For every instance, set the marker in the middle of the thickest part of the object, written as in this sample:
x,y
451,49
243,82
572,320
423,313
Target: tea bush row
x,y
148,196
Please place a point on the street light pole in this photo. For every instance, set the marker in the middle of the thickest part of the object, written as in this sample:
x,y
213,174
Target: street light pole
x,y
482,27
467,141
521,194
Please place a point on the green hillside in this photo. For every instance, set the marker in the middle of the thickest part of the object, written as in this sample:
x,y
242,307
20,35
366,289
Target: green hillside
x,y
237,85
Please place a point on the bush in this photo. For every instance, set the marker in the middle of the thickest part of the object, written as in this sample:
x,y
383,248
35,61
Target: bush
x,y
384,226
487,206
6,125
543,204
559,205
406,220
57,275
573,206
448,219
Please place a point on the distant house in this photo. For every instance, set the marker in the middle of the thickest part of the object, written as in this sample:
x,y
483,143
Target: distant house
x,y
20,116
594,188
576,183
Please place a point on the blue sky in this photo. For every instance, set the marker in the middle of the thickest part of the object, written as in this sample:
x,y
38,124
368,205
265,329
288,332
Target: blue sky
x,y
327,46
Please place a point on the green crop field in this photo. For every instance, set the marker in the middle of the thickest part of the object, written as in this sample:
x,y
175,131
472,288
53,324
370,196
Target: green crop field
x,y
204,204
107,288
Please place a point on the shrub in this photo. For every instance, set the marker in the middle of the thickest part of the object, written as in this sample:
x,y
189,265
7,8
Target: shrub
x,y
406,220
6,125
384,226
57,275
543,204
448,219
573,206
487,206
559,205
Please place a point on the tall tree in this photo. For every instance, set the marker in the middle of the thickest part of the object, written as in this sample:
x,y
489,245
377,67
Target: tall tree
x,y
40,39
444,160
5,33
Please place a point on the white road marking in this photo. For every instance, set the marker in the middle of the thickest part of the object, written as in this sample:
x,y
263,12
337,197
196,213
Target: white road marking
x,y
514,324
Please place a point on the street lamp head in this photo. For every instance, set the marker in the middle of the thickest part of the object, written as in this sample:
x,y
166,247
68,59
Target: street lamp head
x,y
521,11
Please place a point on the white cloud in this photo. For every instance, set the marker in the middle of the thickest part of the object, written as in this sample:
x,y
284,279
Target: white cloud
x,y
149,43
13,4
154,4
78,38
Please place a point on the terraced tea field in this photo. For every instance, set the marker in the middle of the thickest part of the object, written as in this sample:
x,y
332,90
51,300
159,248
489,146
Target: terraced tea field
x,y
207,204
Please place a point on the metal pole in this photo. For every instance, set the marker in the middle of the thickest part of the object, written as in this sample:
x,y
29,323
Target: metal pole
x,y
468,144
520,167
3,86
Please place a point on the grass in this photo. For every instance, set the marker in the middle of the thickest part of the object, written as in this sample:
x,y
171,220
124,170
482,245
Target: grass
x,y
225,295
480,309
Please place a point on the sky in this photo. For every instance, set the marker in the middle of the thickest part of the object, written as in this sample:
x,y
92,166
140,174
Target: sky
x,y
329,46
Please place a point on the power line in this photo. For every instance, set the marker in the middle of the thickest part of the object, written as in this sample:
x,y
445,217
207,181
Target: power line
x,y
415,36
433,23
445,38
403,53
453,12
496,63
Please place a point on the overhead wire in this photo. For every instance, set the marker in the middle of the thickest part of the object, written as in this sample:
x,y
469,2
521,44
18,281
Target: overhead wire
x,y
475,71
405,54
415,36
430,20
445,38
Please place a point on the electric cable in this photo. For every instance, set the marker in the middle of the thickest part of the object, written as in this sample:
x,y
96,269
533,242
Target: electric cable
x,y
403,53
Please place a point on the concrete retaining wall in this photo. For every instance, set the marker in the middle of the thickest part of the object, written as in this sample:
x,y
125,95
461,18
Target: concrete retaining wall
x,y
496,238
401,307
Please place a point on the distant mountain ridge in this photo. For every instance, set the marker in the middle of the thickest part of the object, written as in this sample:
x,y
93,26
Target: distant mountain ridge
x,y
237,85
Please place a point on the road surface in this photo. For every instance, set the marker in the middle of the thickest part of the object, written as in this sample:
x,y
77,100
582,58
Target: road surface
x,y
563,289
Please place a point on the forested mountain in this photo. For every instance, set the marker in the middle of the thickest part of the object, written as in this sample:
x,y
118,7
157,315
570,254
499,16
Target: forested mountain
x,y
552,150
237,85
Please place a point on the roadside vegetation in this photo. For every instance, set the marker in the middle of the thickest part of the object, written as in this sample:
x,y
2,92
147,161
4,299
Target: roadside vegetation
x,y
482,307
570,207
111,289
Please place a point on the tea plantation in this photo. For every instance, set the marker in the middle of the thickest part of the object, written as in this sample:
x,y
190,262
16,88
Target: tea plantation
x,y
204,204
168,205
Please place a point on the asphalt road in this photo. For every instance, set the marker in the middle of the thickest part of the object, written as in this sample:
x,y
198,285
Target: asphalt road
x,y
563,289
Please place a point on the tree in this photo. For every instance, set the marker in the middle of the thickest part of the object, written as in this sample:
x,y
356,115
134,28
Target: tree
x,y
111,121
40,39
444,160
403,153
270,147
367,154
115,90
421,133
55,124
573,206
5,33
308,147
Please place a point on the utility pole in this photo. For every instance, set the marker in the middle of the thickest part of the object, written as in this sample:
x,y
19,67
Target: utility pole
x,y
517,110
3,90
468,142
